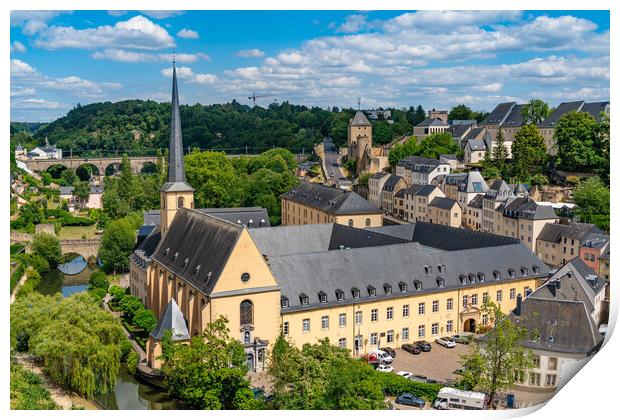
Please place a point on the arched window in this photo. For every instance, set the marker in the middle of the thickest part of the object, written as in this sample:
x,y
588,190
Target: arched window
x,y
246,310
367,222
350,222
247,338
180,202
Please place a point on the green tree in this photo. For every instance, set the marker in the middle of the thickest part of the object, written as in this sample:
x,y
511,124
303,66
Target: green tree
x,y
98,280
528,152
145,319
576,139
461,112
130,305
491,367
500,154
209,373
28,391
539,180
592,198
81,189
436,144
68,177
401,151
535,112
117,243
125,185
47,246
78,341
602,144
381,132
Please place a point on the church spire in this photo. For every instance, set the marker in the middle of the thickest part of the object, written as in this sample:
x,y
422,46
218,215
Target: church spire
x,y
176,169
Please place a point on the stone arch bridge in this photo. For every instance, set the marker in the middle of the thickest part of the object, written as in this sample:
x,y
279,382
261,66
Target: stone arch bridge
x,y
84,247
42,165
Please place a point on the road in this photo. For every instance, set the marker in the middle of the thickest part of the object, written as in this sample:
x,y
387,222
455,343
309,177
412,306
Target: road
x,y
331,164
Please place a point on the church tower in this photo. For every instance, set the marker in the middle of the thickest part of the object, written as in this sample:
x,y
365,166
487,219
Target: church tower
x,y
175,193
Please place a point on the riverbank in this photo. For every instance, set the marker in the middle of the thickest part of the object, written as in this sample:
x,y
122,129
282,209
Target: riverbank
x,y
19,284
66,400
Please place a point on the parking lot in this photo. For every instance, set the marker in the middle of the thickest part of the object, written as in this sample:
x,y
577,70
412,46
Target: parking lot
x,y
438,364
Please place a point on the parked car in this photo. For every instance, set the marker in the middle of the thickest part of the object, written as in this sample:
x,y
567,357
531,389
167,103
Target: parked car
x,y
404,374
385,368
379,356
389,350
424,345
410,399
462,338
456,399
410,348
447,342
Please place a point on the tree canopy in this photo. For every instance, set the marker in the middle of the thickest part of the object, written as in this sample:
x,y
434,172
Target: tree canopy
x,y
47,246
593,201
117,243
576,139
401,151
528,152
535,112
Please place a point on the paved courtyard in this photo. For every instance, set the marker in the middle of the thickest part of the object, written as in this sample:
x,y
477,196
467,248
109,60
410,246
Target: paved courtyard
x,y
438,364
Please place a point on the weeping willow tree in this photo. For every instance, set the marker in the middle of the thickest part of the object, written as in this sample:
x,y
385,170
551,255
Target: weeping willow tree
x,y
79,343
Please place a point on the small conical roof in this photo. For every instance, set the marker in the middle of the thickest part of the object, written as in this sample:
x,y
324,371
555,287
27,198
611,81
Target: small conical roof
x,y
172,320
360,119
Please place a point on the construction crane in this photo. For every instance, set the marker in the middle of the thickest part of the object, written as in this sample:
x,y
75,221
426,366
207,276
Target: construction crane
x,y
253,98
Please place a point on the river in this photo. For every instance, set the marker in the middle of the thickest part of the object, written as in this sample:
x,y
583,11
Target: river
x,y
129,392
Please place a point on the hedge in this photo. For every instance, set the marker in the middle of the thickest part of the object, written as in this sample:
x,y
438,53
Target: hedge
x,y
394,385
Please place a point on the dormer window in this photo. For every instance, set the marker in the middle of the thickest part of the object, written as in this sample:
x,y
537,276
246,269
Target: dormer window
x,y
428,269
498,275
284,302
166,251
387,288
175,256
372,291
511,273
524,271
536,269
441,268
355,292
196,269
481,277
418,285
463,279
339,294
322,297
441,282
303,299
185,262
472,278
403,286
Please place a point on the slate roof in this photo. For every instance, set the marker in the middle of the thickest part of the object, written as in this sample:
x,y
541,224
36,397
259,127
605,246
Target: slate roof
x,y
455,178
144,251
379,175
391,182
444,237
573,281
360,119
596,240
476,202
514,119
605,255
473,183
476,145
196,247
499,114
558,325
305,239
401,193
66,190
553,232
425,190
593,108
526,208
419,160
329,199
407,263
435,122
498,190
443,203
238,215
460,130
171,320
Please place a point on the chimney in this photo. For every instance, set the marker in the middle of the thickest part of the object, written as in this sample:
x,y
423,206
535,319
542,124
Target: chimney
x,y
517,310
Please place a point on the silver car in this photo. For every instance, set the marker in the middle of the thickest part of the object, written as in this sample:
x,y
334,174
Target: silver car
x,y
447,342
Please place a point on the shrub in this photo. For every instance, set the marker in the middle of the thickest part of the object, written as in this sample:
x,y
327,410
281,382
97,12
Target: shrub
x,y
130,305
126,348
31,283
145,320
132,362
98,280
99,292
117,293
37,262
48,246
393,384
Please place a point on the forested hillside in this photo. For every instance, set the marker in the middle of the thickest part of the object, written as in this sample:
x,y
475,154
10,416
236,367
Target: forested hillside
x,y
141,125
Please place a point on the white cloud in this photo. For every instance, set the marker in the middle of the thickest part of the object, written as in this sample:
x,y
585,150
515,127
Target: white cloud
x,y
187,34
21,92
128,56
254,52
491,87
434,19
162,14
187,74
35,103
137,32
17,46
117,13
353,23
20,68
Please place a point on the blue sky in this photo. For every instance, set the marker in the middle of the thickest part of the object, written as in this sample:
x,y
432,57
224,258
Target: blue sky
x,y
325,58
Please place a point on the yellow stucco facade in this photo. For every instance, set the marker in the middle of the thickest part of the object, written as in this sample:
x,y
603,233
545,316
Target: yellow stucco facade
x,y
294,213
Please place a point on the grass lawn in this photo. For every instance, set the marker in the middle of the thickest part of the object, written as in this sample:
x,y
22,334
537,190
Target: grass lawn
x,y
76,232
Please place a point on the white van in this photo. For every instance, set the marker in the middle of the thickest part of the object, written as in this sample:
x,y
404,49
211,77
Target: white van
x,y
456,399
379,356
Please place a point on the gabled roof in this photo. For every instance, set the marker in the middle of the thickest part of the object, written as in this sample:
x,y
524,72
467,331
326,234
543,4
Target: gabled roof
x,y
499,114
476,202
143,252
443,203
434,122
459,130
380,175
360,120
553,232
526,208
558,325
171,320
330,199
593,108
498,190
66,190
196,247
425,190
250,217
573,281
514,119
391,182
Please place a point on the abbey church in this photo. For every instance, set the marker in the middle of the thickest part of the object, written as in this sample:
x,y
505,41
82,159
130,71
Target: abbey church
x,y
360,287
